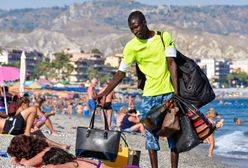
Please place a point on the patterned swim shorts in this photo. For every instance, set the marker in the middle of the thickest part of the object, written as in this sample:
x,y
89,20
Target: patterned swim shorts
x,y
149,102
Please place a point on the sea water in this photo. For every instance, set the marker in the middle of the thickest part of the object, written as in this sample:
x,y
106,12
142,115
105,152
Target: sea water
x,y
231,141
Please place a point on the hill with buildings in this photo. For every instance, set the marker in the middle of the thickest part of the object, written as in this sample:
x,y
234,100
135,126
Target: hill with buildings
x,y
199,31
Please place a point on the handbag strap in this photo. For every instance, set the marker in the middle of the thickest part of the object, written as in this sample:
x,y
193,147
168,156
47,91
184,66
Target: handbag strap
x,y
185,102
92,120
123,137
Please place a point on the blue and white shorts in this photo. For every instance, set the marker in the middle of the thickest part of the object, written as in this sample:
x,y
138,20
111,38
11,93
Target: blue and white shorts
x,y
149,102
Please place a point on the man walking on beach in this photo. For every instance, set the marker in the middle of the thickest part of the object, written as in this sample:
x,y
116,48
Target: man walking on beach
x,y
154,53
91,94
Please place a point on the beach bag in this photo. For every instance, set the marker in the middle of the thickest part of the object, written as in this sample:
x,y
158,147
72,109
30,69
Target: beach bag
x,y
97,143
199,121
126,156
170,124
186,139
193,84
155,117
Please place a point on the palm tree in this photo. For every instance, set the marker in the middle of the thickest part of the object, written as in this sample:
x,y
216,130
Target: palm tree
x,y
62,65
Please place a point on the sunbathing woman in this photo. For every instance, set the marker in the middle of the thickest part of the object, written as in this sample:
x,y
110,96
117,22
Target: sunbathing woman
x,y
35,151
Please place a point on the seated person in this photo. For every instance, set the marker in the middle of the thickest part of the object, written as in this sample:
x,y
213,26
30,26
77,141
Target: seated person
x,y
35,151
23,121
41,117
131,122
119,117
237,121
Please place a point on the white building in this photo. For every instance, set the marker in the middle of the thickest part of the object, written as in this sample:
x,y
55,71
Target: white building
x,y
215,68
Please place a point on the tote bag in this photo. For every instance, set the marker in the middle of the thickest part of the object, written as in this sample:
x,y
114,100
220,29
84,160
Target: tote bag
x,y
186,139
199,121
97,143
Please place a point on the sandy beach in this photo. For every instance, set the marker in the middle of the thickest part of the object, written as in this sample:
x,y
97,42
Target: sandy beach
x,y
66,125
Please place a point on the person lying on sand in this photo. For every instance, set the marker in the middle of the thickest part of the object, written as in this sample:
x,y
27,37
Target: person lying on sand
x,y
35,151
28,150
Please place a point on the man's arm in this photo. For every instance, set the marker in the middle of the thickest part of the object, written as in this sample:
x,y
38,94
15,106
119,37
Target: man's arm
x,y
173,71
112,84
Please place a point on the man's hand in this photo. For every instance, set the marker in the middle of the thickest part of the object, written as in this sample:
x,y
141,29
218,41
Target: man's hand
x,y
100,99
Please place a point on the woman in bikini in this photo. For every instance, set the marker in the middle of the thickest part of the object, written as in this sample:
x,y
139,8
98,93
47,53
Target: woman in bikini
x,y
35,151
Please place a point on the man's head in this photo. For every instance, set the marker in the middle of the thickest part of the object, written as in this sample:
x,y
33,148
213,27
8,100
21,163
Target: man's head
x,y
94,82
137,24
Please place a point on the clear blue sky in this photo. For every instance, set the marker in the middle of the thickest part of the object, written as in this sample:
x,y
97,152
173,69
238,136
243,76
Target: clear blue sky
x,y
12,4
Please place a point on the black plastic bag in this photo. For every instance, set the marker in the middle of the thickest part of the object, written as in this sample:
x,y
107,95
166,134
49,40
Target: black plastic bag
x,y
186,138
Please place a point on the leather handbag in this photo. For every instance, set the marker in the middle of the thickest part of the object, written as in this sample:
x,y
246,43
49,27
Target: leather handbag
x,y
97,143
170,124
155,117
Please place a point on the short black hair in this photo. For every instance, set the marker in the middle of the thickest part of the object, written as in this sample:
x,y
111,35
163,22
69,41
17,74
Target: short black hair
x,y
137,15
132,111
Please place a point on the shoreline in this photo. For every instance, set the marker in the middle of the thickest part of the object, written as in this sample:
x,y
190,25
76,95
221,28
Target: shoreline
x,y
66,126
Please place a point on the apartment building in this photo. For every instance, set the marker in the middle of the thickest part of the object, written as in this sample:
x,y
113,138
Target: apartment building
x,y
12,56
215,69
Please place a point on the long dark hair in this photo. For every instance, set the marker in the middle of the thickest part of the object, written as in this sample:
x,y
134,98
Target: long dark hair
x,y
57,156
27,147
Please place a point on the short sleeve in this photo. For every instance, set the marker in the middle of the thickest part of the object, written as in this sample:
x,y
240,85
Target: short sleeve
x,y
128,54
170,48
123,67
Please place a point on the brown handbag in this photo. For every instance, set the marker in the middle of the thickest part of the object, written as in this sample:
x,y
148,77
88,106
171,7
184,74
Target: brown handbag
x,y
170,124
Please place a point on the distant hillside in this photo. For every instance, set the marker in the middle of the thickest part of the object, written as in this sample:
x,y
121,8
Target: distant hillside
x,y
199,31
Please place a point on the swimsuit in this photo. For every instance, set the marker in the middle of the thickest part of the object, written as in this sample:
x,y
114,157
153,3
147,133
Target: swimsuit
x,y
107,106
14,125
92,104
97,165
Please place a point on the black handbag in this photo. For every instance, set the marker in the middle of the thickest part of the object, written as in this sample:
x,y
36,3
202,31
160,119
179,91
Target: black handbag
x,y
96,143
186,139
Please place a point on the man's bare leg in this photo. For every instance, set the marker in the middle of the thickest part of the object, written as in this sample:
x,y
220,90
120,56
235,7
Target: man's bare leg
x,y
109,117
153,158
174,158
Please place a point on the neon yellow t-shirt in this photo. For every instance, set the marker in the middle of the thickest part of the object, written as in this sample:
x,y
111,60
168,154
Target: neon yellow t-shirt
x,y
150,55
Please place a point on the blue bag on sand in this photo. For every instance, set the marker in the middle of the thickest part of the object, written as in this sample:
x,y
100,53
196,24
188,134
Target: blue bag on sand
x,y
3,154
